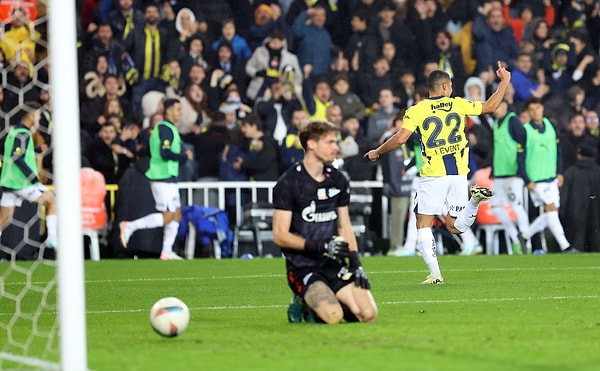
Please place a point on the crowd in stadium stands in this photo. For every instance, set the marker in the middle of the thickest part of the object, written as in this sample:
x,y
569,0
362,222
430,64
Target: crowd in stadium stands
x,y
347,61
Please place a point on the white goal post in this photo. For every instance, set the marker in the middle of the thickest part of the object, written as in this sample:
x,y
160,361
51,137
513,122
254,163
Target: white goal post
x,y
39,316
67,162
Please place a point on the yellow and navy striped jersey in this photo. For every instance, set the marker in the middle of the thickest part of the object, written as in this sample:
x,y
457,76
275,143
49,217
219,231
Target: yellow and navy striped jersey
x,y
441,123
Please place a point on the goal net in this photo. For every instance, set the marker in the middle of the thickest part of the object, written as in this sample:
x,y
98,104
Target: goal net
x,y
40,287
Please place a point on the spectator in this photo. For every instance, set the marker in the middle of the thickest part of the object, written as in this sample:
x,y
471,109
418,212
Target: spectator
x,y
397,187
392,29
519,25
94,107
538,35
369,84
171,80
544,169
559,64
264,165
587,60
101,156
18,88
592,91
18,41
186,25
570,104
277,110
214,14
381,120
317,103
291,150
526,81
356,166
234,149
349,102
479,128
494,39
195,112
574,139
579,197
196,76
313,41
267,18
208,145
592,123
99,42
227,74
405,88
592,22
193,54
334,115
424,24
239,45
450,60
271,62
388,51
124,19
149,48
364,45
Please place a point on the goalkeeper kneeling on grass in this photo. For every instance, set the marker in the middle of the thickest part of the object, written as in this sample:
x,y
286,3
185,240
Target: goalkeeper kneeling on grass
x,y
311,208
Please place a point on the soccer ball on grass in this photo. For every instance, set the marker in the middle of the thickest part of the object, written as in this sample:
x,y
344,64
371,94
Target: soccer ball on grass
x,y
169,317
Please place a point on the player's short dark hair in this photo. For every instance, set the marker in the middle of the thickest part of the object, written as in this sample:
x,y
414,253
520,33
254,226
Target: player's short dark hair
x,y
315,129
532,100
25,109
436,78
251,119
170,103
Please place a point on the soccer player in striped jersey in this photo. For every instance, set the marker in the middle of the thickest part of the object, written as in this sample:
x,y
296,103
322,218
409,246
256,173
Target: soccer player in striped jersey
x,y
440,120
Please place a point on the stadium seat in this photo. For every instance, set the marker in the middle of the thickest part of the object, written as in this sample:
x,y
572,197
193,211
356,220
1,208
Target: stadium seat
x,y
93,210
491,226
487,221
256,229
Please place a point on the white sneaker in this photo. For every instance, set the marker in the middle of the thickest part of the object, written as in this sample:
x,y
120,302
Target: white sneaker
x,y
405,252
170,256
471,249
480,194
430,280
125,233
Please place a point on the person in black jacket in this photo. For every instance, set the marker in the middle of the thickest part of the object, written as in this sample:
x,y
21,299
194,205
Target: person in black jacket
x,y
580,201
265,165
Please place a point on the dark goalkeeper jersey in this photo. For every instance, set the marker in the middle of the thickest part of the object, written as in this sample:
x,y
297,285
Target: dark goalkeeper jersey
x,y
313,205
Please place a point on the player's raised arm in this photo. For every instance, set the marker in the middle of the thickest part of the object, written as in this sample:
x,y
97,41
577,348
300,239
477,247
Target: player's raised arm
x,y
393,143
495,99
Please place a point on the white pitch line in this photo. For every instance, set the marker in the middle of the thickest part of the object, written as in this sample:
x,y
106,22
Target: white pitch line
x,y
442,301
401,302
413,271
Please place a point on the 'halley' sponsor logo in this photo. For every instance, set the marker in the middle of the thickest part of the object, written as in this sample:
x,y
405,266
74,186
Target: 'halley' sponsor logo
x,y
443,106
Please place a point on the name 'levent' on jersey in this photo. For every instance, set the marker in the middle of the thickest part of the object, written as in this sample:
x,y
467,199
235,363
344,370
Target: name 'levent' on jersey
x,y
441,123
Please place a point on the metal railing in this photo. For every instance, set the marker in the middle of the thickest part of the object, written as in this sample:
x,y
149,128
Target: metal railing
x,y
214,193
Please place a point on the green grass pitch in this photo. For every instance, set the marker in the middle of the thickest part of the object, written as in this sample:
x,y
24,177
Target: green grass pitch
x,y
493,313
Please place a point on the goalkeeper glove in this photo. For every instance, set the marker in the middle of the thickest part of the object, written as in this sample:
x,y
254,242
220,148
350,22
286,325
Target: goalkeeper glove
x,y
336,248
360,277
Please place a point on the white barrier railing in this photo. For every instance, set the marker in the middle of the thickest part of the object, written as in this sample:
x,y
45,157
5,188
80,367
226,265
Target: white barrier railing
x,y
214,193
